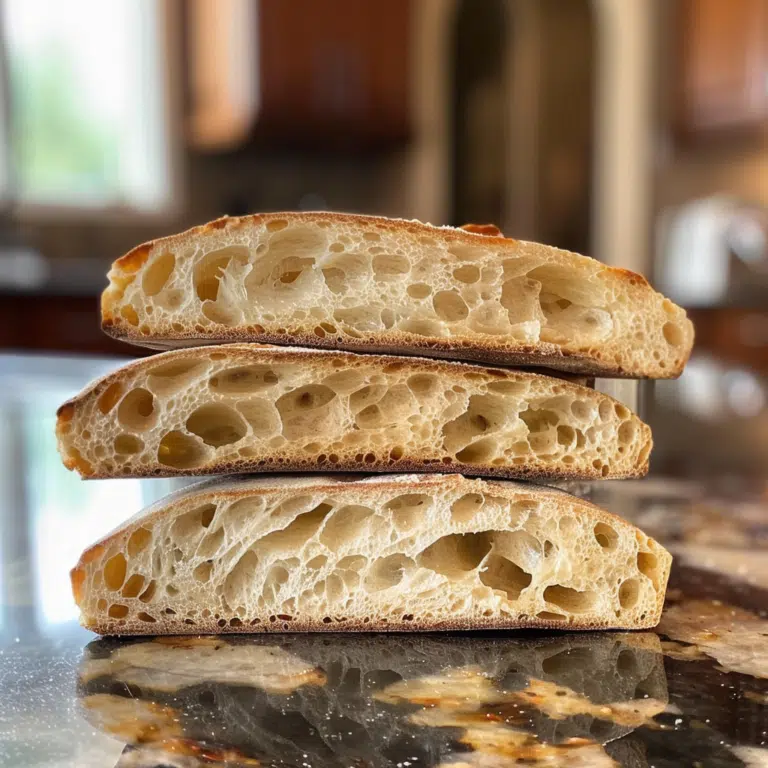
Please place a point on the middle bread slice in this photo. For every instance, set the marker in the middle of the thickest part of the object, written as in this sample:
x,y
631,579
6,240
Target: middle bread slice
x,y
247,407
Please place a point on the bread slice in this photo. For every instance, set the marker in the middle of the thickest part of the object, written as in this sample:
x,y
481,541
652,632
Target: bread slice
x,y
386,285
245,407
418,552
405,697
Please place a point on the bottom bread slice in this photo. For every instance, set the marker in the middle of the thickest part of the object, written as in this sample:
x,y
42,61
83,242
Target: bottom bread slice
x,y
403,552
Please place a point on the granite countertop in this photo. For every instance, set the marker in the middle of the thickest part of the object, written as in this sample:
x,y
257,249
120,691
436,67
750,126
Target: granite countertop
x,y
692,693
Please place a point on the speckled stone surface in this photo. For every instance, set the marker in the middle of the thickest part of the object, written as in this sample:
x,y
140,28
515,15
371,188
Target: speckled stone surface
x,y
692,693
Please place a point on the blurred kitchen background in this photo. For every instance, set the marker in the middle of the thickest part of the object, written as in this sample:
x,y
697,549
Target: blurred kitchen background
x,y
635,131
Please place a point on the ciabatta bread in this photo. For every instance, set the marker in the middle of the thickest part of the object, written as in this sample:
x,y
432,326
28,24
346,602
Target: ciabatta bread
x,y
420,552
373,284
244,407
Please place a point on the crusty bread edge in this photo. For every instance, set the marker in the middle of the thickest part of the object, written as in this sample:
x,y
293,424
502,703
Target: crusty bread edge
x,y
497,353
67,410
239,487
488,351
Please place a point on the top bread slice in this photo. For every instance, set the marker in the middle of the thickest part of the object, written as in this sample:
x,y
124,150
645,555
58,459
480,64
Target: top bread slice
x,y
386,285
246,408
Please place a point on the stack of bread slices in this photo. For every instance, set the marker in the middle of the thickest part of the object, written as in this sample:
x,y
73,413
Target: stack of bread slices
x,y
323,343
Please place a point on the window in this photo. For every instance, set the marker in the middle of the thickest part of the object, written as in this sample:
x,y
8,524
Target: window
x,y
48,515
86,107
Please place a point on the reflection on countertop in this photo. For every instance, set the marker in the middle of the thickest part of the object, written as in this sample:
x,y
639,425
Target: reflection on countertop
x,y
373,700
693,693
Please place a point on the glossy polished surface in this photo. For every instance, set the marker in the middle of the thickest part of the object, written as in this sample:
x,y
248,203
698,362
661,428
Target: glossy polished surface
x,y
692,693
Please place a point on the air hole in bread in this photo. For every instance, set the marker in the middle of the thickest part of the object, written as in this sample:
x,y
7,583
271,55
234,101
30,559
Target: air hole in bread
x,y
673,334
422,384
520,298
202,572
504,575
366,396
344,382
387,572
570,600
210,268
449,306
409,510
317,563
478,452
211,543
388,266
361,318
291,268
191,525
239,583
143,616
456,553
421,327
217,424
419,290
606,536
117,611
138,541
370,417
467,273
244,380
388,317
627,432
334,279
133,586
128,445
181,451
539,420
305,411
648,565
137,410
520,547
296,534
484,414
223,315
512,388
629,593
157,272
581,410
466,507
566,435
467,252
110,397
346,524
262,416
114,572
128,312
169,378
289,258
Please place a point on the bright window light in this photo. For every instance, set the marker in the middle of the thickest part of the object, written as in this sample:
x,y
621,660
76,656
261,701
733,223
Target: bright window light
x,y
87,108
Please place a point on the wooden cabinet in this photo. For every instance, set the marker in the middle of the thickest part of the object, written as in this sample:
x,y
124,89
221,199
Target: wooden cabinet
x,y
723,65
320,74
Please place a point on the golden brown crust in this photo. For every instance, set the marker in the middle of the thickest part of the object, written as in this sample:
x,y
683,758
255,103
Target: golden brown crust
x,y
530,469
592,361
235,488
212,628
497,353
